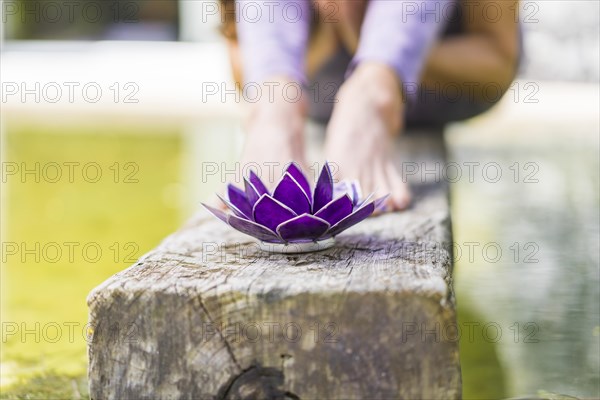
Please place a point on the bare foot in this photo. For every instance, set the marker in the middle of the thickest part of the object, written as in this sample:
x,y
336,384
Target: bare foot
x,y
274,135
360,135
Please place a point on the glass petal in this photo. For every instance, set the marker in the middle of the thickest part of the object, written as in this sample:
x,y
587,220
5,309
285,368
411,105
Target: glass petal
x,y
304,226
253,229
270,212
379,203
352,219
294,170
336,210
251,193
258,184
216,212
324,189
237,197
290,193
233,208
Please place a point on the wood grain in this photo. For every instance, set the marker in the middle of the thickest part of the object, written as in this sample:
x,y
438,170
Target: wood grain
x,y
207,315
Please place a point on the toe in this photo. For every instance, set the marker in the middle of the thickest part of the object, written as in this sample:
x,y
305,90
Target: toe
x,y
400,192
383,189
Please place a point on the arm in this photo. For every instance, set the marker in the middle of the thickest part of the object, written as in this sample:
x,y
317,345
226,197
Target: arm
x,y
399,34
272,48
488,52
273,40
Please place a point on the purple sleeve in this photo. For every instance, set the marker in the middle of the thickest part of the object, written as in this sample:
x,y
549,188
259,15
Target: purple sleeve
x,y
273,36
399,34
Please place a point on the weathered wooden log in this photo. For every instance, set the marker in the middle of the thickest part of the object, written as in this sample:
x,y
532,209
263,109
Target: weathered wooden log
x,y
207,315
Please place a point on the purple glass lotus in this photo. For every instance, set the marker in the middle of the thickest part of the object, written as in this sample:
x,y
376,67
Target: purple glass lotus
x,y
293,218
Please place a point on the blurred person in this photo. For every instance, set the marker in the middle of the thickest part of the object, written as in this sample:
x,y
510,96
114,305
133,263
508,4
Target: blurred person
x,y
395,63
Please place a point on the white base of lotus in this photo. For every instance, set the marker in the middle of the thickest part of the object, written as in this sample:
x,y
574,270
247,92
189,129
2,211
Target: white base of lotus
x,y
305,247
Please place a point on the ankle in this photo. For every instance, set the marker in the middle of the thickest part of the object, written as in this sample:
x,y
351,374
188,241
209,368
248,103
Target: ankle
x,y
381,84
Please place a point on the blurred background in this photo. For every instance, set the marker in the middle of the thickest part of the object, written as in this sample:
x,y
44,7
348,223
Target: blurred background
x,y
106,126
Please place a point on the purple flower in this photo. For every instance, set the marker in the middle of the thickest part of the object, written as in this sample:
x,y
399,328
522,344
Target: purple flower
x,y
292,213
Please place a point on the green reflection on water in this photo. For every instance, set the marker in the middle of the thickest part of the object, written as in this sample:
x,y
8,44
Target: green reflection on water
x,y
482,373
123,213
542,293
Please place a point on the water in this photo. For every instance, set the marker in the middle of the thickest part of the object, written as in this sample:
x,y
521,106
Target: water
x,y
541,294
108,220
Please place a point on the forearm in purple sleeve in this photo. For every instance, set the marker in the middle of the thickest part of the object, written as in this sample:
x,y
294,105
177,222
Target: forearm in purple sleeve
x,y
400,33
273,40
